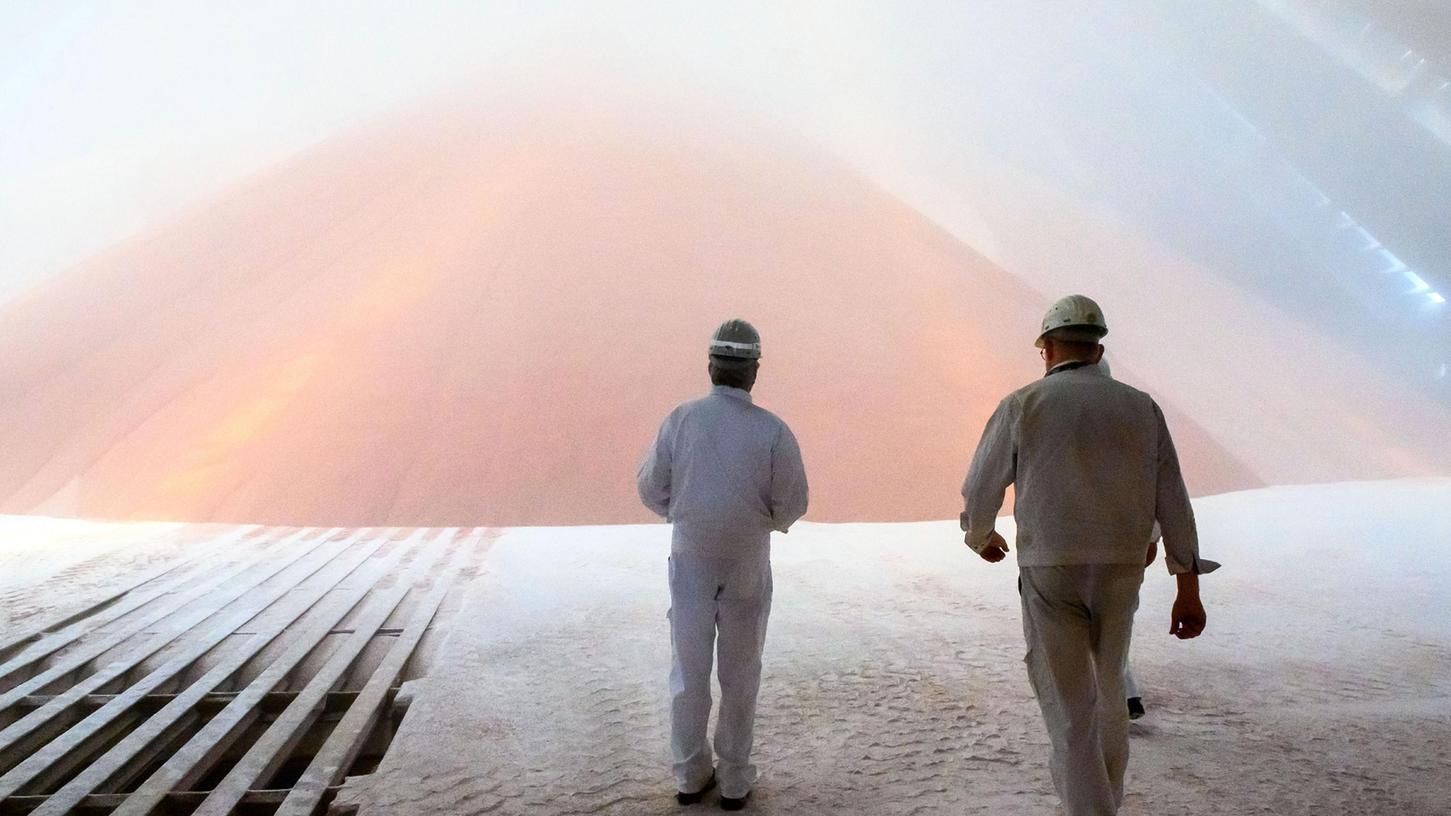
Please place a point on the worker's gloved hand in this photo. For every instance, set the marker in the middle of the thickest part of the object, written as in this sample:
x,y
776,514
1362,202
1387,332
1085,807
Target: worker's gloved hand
x,y
996,549
1153,554
1187,619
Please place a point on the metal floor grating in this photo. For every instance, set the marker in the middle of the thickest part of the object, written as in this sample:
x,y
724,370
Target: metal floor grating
x,y
253,677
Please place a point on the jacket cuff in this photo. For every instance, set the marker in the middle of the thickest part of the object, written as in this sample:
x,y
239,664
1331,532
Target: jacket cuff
x,y
1200,566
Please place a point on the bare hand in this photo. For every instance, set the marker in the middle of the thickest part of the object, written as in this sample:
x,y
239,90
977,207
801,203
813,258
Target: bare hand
x,y
996,549
1187,619
1153,554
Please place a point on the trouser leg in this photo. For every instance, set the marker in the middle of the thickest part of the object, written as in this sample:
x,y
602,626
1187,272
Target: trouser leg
x,y
1076,647
745,606
692,641
1114,597
1131,684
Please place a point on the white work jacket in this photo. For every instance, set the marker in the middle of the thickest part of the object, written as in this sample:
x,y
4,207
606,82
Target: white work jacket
x,y
1094,467
725,472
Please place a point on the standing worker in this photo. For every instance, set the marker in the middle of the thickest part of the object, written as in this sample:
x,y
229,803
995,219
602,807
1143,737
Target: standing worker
x,y
725,472
1094,466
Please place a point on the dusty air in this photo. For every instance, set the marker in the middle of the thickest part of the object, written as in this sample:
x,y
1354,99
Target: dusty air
x,y
642,409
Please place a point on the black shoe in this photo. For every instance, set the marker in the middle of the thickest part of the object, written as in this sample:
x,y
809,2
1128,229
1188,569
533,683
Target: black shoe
x,y
694,798
1136,707
727,803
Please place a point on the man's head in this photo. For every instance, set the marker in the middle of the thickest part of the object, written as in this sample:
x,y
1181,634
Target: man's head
x,y
1058,352
1071,332
735,355
733,373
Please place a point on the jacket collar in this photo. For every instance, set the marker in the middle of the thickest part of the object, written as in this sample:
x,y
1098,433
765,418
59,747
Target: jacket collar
x,y
737,393
1073,365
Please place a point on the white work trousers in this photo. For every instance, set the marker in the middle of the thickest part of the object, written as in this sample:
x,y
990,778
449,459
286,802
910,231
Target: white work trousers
x,y
1078,621
731,599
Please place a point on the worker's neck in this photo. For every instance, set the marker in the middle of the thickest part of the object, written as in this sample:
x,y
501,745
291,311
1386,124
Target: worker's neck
x,y
732,390
1076,362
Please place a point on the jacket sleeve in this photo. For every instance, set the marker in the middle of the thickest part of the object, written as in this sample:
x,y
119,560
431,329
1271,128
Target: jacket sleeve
x,y
994,467
653,479
788,481
1173,511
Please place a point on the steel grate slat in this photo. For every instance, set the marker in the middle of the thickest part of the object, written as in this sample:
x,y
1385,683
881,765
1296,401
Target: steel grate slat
x,y
205,748
58,757
153,735
47,646
299,669
27,636
345,743
268,754
29,724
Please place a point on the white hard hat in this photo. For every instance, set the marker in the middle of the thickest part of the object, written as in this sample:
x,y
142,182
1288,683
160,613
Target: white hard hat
x,y
736,339
1074,319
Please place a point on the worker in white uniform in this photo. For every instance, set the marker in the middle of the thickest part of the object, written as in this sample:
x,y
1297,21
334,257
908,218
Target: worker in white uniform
x,y
1093,467
726,473
1131,686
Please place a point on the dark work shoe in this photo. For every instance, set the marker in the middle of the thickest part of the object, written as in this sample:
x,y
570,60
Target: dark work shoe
x,y
727,803
1136,707
694,798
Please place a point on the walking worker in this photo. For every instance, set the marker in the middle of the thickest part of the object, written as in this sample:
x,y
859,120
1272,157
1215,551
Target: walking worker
x,y
1093,467
726,473
1131,686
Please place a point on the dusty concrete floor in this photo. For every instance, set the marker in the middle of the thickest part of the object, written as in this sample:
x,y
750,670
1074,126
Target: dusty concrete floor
x,y
894,685
894,682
